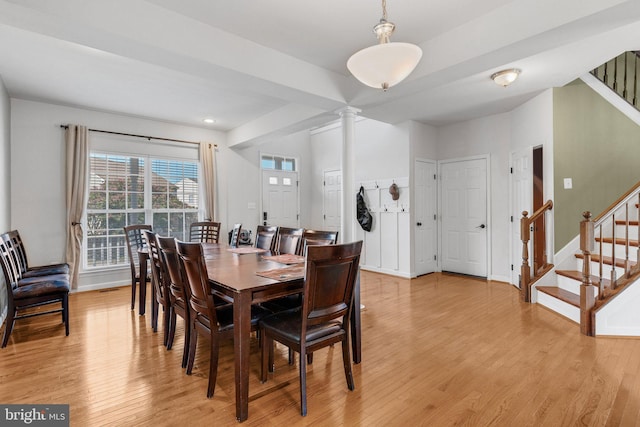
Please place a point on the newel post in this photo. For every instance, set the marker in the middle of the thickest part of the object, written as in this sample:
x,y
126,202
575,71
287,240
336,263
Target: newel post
x,y
525,270
587,298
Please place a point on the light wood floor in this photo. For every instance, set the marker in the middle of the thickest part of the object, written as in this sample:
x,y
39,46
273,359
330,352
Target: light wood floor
x,y
440,350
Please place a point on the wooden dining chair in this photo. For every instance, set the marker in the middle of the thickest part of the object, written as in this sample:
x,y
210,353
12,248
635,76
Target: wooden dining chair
x,y
235,235
13,240
204,231
207,319
39,291
317,237
135,241
179,293
323,319
266,237
289,240
160,286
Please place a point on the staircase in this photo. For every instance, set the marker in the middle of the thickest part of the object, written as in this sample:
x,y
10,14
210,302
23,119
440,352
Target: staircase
x,y
601,269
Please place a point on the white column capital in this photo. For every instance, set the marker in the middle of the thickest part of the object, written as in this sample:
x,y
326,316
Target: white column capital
x,y
348,111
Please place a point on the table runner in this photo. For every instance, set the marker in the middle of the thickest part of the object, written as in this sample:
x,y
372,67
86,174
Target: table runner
x,y
285,258
247,250
283,274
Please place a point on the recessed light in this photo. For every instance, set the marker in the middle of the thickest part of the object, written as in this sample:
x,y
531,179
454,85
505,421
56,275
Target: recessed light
x,y
208,121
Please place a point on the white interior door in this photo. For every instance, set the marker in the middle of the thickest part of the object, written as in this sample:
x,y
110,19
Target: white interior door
x,y
521,200
332,199
279,198
425,217
464,216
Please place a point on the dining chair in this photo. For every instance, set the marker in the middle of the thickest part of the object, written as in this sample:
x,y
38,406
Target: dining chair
x,y
266,236
317,237
204,231
289,240
323,319
179,293
235,235
40,291
160,286
207,319
135,241
13,239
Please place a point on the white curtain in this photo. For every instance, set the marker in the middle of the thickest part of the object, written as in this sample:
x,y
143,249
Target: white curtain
x,y
207,163
77,150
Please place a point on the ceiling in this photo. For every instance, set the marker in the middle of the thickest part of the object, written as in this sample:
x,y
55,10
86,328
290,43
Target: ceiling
x,y
263,68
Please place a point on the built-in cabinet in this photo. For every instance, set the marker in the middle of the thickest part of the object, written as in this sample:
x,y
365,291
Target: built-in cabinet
x,y
386,248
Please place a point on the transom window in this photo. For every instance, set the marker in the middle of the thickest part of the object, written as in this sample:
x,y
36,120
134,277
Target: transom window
x,y
128,190
280,163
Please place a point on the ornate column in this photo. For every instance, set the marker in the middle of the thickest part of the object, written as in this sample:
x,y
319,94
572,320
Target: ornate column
x,y
348,202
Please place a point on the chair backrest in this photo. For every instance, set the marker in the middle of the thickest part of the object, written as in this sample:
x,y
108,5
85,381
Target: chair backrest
x,y
289,240
9,267
179,291
317,237
266,237
204,231
158,279
13,240
195,275
235,235
135,241
330,275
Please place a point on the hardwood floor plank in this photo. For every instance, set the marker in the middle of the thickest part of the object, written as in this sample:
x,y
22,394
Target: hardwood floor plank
x,y
438,350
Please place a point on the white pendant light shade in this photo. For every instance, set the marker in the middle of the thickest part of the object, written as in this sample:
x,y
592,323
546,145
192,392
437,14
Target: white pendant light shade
x,y
384,65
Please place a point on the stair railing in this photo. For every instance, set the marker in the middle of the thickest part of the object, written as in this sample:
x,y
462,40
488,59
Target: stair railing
x,y
621,75
527,276
617,214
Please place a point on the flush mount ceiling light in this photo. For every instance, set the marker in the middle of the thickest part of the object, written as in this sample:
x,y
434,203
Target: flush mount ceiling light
x,y
505,77
208,120
385,64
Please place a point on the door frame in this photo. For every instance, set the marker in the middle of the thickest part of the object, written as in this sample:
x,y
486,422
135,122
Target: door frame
x,y
487,159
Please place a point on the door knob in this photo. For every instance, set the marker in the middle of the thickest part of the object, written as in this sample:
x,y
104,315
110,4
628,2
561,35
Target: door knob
x,y
481,226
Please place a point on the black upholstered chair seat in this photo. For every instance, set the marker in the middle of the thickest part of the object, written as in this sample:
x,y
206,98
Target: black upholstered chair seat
x,y
26,281
46,270
287,324
46,287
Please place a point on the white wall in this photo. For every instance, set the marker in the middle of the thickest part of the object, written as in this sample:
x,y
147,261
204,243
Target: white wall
x,y
37,173
5,180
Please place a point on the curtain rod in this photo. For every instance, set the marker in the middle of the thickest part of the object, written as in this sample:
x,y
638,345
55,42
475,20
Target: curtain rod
x,y
141,136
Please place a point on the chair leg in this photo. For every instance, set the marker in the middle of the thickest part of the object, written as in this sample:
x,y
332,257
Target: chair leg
x,y
303,383
166,321
133,293
65,313
309,358
346,361
154,314
193,341
267,344
172,328
290,356
187,340
11,313
213,366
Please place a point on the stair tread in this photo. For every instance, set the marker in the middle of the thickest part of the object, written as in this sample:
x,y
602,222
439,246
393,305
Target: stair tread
x,y
623,222
577,275
619,262
619,241
561,294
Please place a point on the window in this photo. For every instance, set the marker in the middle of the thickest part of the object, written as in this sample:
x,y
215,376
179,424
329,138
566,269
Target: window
x,y
126,190
277,163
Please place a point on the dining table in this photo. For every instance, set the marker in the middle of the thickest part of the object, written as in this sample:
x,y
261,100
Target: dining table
x,y
232,273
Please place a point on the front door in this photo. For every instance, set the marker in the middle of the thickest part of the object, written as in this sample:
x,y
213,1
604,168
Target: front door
x,y
279,198
464,216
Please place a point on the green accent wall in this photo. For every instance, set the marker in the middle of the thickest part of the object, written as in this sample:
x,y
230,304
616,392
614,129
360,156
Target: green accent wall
x,y
596,146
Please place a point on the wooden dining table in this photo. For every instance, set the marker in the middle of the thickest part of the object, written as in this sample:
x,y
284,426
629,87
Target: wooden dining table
x,y
234,276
